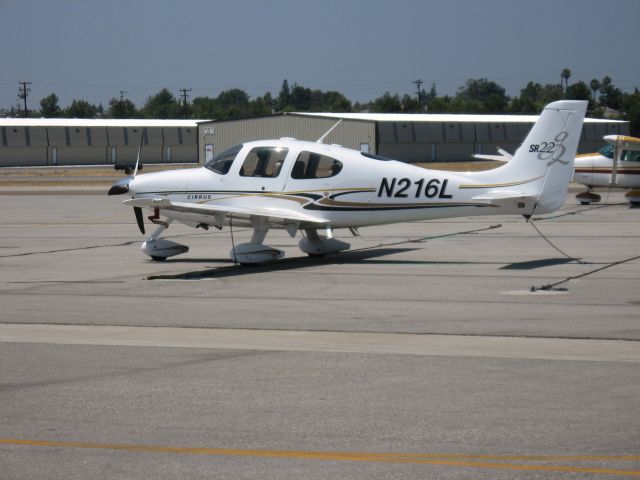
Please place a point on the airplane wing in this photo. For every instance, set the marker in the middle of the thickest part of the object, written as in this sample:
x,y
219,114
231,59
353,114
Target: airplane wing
x,y
275,216
623,141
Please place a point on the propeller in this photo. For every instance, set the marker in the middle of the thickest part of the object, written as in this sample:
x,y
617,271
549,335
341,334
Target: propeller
x,y
122,186
139,218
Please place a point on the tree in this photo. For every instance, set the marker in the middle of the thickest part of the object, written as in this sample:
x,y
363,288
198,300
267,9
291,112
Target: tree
x,y
610,96
529,99
233,103
81,109
161,105
410,104
631,107
578,91
206,107
121,108
284,97
335,102
387,104
482,96
595,86
49,106
300,98
566,73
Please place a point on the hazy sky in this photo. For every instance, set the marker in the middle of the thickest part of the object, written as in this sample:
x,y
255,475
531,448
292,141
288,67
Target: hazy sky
x,y
92,49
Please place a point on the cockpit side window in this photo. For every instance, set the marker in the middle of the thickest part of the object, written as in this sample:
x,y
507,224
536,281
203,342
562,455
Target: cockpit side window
x,y
631,156
222,162
263,162
314,165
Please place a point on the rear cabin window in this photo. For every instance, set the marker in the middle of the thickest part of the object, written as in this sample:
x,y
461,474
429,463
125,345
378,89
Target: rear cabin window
x,y
263,162
315,165
222,162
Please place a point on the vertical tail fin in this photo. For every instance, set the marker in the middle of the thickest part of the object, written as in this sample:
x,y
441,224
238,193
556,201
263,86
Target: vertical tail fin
x,y
548,153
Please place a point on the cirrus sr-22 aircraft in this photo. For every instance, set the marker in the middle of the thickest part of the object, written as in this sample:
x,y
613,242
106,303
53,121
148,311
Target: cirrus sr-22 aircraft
x,y
315,188
617,165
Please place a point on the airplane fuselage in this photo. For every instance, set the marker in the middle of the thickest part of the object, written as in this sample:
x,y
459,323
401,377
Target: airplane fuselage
x,y
596,170
365,191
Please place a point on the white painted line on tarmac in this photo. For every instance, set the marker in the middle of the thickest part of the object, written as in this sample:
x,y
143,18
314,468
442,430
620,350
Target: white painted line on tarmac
x,y
334,342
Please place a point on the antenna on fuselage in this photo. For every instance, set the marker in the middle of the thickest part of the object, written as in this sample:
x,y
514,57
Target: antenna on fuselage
x,y
320,140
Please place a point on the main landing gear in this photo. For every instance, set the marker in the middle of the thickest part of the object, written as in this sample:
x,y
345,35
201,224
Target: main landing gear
x,y
634,197
315,243
588,197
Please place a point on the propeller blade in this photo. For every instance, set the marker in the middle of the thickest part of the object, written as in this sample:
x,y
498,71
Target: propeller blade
x,y
120,187
135,172
139,218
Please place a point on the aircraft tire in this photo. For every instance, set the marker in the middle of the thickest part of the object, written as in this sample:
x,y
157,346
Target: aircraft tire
x,y
158,259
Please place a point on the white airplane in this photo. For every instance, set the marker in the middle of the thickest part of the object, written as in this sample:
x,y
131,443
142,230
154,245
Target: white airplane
x,y
617,165
316,188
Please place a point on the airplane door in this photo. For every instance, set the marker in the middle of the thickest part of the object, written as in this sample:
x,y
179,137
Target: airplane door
x,y
262,170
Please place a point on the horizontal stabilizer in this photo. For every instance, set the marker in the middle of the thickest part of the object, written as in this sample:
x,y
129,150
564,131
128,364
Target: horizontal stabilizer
x,y
522,202
502,156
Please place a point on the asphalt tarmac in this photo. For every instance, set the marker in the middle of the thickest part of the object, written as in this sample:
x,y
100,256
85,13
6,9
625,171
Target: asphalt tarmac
x,y
421,353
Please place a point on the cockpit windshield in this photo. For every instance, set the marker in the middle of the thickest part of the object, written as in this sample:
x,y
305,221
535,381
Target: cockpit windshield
x,y
222,162
607,151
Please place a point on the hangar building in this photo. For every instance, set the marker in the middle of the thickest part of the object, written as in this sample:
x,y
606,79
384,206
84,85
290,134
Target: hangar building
x,y
63,141
408,137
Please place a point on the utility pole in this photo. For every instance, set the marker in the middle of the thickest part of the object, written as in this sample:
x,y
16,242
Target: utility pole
x,y
184,99
419,83
122,92
23,92
184,95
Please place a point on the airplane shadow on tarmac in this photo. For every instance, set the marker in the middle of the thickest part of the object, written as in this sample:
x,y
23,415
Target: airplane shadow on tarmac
x,y
533,264
354,257
348,257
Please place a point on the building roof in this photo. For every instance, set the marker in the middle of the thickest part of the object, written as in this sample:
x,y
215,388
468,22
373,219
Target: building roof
x,y
439,117
85,122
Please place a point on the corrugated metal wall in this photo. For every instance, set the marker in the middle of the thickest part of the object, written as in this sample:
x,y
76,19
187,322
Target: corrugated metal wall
x,y
457,141
225,134
407,141
60,145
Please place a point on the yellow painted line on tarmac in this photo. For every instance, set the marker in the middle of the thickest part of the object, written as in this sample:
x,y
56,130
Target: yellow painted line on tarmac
x,y
450,460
